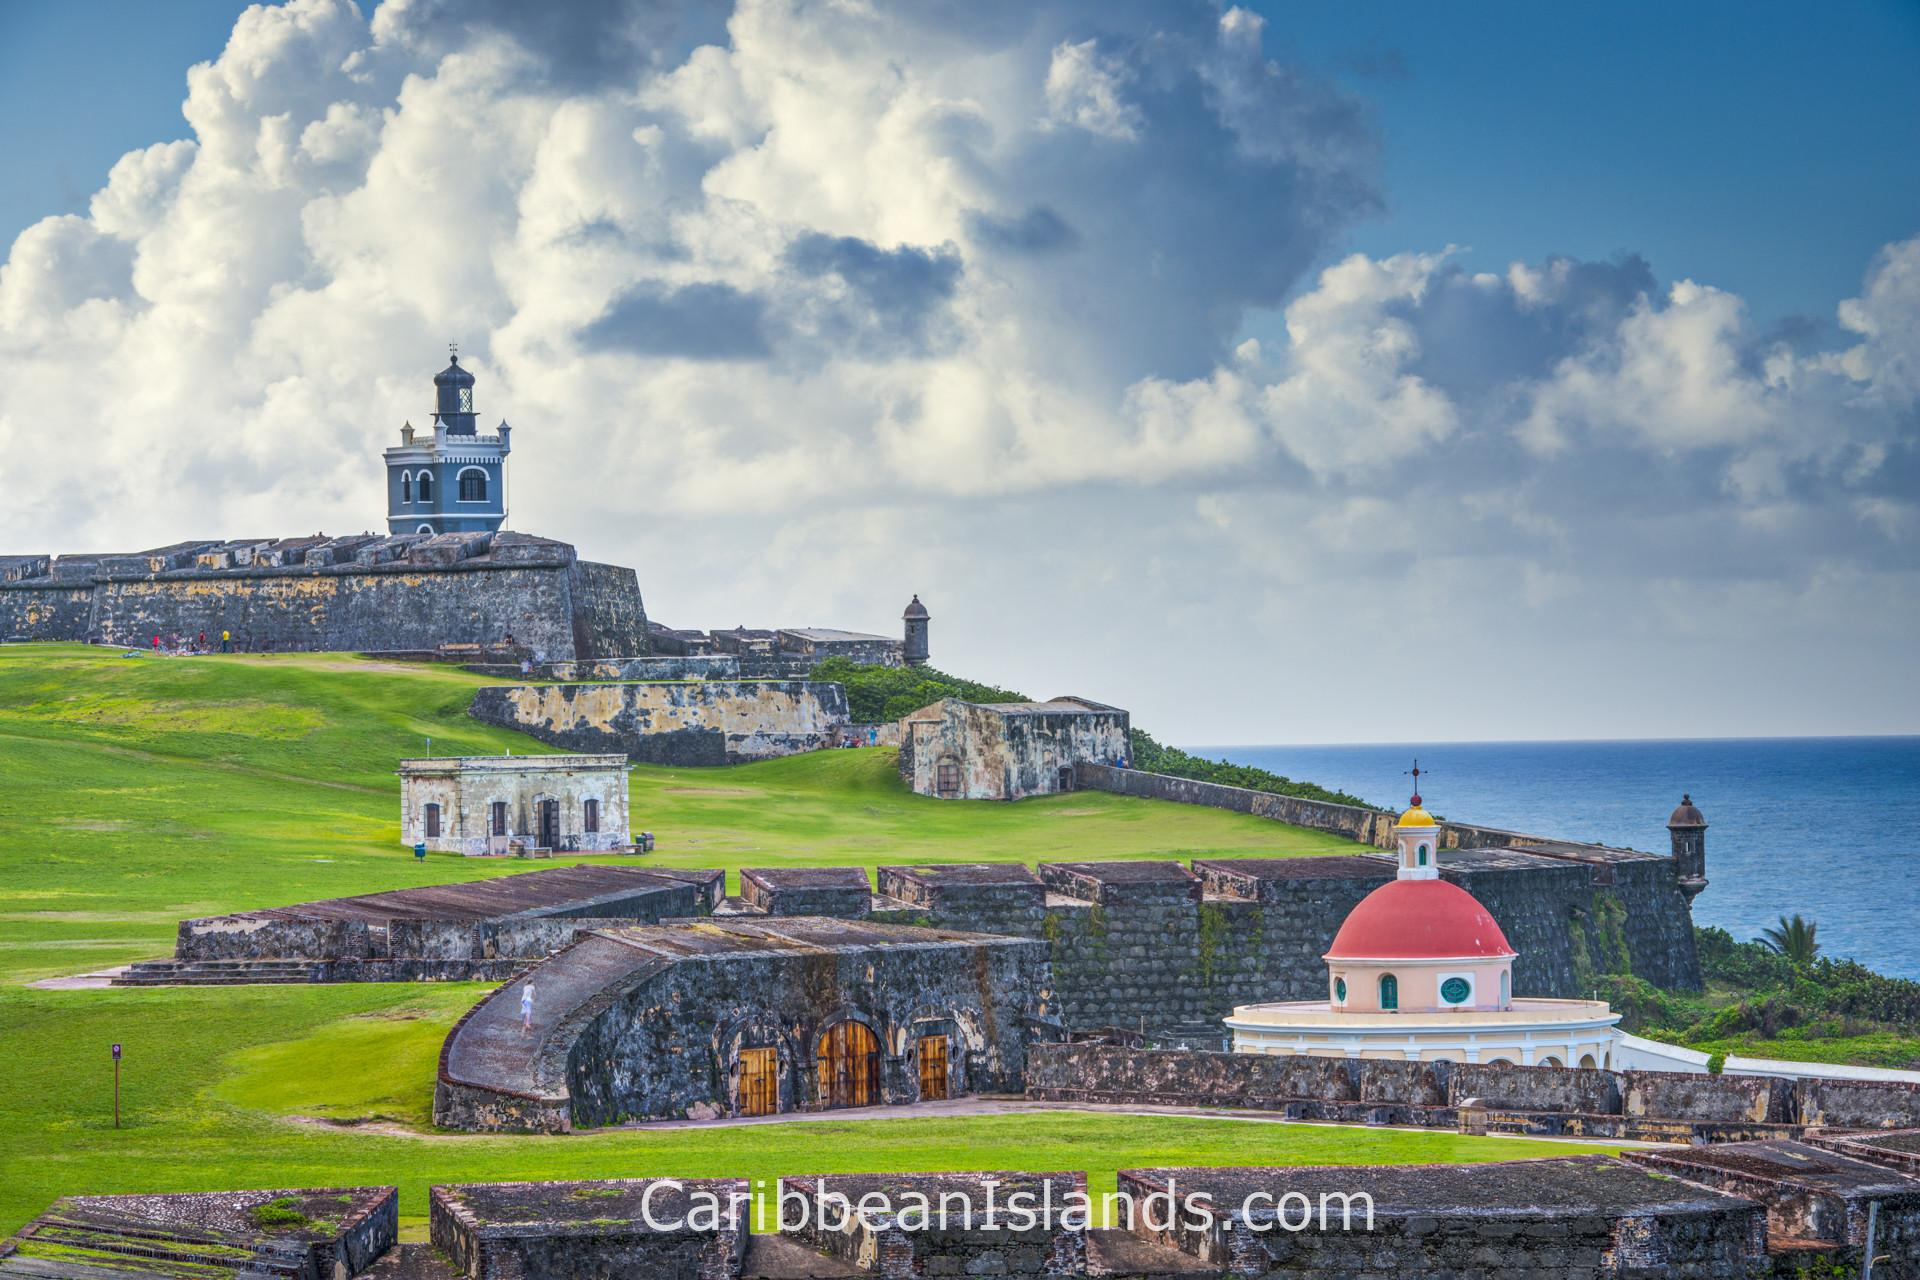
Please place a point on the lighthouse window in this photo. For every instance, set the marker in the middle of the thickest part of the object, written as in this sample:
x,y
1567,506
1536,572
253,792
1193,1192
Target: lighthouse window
x,y
473,485
426,487
1389,991
406,486
466,399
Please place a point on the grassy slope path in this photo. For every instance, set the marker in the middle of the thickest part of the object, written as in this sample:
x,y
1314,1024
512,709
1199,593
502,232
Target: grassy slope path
x,y
137,791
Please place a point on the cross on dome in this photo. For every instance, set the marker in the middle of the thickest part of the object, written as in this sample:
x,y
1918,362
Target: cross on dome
x,y
1416,771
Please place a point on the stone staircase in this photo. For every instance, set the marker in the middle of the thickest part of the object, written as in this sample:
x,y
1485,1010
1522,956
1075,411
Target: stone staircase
x,y
217,973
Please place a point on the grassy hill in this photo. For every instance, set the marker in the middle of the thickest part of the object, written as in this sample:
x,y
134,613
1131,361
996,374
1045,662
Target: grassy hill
x,y
141,790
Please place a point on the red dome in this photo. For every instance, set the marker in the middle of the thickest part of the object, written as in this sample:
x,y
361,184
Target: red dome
x,y
1418,920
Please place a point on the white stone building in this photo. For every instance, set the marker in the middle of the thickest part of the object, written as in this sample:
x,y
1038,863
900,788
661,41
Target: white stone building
x,y
511,804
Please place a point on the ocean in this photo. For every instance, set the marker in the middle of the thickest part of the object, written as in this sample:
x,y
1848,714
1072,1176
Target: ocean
x,y
1826,827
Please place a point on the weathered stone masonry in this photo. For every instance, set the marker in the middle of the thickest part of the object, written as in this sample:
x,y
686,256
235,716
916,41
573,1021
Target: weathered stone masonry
x,y
1168,946
1751,1211
1572,910
658,1022
700,722
363,593
1660,1106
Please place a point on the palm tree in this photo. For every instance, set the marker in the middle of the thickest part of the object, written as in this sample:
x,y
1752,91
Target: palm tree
x,y
1793,939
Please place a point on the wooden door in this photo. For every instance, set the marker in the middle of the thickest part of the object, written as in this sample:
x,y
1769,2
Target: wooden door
x,y
550,824
759,1081
849,1066
933,1068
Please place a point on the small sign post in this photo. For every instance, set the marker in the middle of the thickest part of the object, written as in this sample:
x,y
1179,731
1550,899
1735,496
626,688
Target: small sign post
x,y
116,1086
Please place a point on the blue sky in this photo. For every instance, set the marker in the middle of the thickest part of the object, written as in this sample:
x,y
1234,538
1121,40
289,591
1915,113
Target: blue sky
x,y
1763,146
856,302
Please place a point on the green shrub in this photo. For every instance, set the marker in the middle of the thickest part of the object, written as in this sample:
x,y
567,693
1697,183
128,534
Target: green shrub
x,y
1153,757
876,694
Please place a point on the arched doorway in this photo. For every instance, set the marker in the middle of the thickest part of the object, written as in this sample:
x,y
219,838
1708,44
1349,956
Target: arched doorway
x,y
930,1053
1586,1060
1548,1061
848,1062
758,1092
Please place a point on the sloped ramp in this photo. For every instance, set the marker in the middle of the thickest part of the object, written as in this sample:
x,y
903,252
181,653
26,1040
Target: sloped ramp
x,y
496,1073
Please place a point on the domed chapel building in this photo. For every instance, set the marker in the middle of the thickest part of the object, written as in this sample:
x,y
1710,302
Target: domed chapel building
x,y
1421,971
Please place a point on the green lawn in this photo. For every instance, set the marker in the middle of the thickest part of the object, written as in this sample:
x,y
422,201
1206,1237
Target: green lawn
x,y
139,791
211,1077
143,790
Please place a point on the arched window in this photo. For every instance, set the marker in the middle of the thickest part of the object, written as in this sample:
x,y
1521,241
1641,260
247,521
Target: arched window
x,y
473,485
1389,991
1506,989
425,528
426,487
406,486
1423,855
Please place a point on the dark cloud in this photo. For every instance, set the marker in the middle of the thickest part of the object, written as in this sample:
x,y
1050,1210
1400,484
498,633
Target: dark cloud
x,y
1038,230
1474,338
581,43
696,321
894,296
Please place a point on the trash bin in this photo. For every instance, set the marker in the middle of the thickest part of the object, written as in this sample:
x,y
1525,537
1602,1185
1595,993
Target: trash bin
x,y
420,851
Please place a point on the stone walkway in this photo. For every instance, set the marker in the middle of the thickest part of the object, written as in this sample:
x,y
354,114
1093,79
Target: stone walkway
x,y
80,981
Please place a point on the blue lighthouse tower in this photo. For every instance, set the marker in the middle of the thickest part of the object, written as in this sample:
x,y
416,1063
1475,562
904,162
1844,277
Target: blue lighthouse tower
x,y
454,480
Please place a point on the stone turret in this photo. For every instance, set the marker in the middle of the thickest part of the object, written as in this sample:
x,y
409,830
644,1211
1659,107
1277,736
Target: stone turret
x,y
914,648
1688,829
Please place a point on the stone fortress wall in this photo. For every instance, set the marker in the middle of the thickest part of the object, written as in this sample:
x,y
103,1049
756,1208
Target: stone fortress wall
x,y
1747,1211
1587,1102
1144,946
1161,945
677,722
362,593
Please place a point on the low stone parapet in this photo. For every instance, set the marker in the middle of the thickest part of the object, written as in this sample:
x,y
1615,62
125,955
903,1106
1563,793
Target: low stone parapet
x,y
656,1227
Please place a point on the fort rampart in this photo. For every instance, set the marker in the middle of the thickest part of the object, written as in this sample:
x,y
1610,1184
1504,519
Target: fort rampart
x,y
1748,1211
1145,946
367,593
689,722
1659,1106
